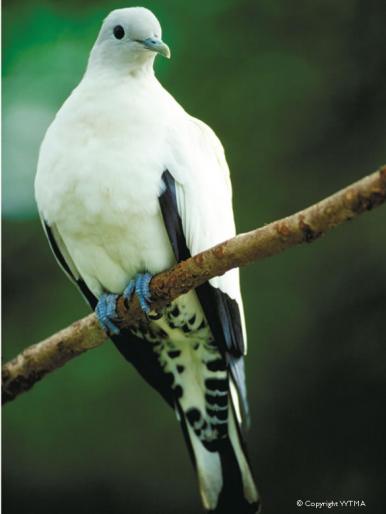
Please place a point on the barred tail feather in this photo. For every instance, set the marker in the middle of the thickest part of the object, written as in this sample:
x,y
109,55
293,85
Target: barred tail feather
x,y
224,476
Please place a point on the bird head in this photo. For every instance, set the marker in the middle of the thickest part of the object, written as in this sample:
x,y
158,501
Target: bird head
x,y
129,39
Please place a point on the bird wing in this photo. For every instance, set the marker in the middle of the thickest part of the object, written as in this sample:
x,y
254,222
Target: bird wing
x,y
196,204
141,355
65,261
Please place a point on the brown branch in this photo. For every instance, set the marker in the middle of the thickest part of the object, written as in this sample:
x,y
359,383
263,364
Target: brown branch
x,y
38,360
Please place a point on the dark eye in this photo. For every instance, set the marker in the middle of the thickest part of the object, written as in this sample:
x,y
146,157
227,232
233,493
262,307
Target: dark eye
x,y
119,32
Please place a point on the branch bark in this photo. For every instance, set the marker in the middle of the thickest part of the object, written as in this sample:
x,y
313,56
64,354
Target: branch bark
x,y
36,361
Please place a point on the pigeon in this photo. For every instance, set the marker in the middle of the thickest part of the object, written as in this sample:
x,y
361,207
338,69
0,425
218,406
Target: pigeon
x,y
127,185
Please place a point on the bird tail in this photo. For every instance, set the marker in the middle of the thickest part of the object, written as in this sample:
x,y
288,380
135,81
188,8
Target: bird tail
x,y
224,474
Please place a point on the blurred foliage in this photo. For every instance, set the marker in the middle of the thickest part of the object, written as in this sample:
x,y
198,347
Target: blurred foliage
x,y
296,92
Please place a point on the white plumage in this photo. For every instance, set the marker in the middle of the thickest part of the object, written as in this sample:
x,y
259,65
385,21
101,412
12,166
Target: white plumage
x,y
98,185
100,165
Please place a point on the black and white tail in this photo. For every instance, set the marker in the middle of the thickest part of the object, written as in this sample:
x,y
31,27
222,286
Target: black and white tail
x,y
224,474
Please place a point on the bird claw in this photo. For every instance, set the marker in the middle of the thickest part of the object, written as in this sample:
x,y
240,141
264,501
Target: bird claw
x,y
106,309
106,312
140,286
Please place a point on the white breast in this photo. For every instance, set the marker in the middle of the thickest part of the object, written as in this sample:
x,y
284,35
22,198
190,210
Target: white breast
x,y
99,178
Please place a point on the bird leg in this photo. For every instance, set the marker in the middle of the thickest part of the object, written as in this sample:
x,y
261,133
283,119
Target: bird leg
x,y
140,286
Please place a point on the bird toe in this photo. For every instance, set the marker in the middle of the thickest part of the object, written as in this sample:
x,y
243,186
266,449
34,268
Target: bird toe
x,y
142,290
106,312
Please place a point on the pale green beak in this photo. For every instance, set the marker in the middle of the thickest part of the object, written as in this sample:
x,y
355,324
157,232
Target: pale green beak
x,y
157,45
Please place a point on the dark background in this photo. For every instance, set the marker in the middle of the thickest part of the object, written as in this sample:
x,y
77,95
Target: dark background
x,y
296,92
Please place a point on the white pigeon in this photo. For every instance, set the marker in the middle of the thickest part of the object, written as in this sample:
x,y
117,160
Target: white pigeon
x,y
127,185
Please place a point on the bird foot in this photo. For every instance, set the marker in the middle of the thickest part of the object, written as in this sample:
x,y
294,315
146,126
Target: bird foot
x,y
106,309
140,286
106,312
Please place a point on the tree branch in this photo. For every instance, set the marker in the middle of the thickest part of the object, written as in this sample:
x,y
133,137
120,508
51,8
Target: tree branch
x,y
305,226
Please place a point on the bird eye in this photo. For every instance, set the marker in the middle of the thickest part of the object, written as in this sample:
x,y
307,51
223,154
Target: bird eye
x,y
119,32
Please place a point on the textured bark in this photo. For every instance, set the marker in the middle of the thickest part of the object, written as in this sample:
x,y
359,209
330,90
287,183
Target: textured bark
x,y
38,360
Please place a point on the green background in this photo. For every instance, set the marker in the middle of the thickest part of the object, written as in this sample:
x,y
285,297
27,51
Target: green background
x,y
296,92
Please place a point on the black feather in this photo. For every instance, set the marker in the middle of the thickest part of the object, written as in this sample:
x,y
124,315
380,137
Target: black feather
x,y
172,220
221,311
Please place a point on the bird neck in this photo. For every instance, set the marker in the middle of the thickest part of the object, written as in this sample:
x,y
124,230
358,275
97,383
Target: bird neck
x,y
100,78
101,65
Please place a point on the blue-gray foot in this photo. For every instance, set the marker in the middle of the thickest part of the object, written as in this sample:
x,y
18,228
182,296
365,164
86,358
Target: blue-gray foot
x,y
106,309
106,312
140,286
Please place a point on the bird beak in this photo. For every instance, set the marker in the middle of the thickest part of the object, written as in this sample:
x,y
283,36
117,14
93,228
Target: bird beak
x,y
157,45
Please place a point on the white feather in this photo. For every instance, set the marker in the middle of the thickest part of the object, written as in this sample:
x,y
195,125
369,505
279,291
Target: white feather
x,y
97,186
100,167
208,471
